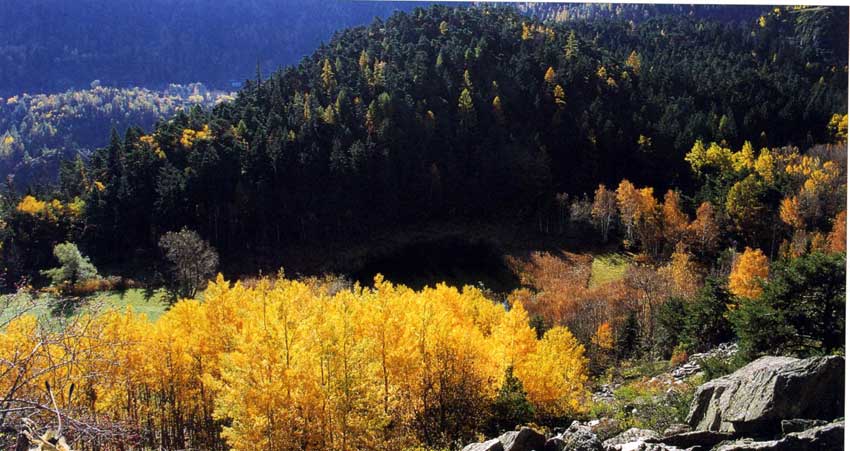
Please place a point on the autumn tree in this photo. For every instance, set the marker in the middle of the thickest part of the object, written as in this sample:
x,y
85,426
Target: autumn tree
x,y
604,210
749,273
838,236
674,219
704,231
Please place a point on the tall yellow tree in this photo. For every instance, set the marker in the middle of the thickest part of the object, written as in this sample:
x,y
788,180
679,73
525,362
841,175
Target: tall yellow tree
x,y
749,272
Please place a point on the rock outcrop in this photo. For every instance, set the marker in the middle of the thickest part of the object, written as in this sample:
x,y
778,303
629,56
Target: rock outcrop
x,y
525,439
756,398
580,437
631,439
772,404
820,438
489,445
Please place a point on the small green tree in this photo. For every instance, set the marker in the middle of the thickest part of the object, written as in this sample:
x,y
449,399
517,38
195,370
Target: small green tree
x,y
629,337
73,266
801,310
511,406
193,261
670,326
706,324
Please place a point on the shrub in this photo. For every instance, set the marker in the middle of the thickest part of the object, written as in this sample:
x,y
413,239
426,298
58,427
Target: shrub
x,y
679,356
73,267
714,367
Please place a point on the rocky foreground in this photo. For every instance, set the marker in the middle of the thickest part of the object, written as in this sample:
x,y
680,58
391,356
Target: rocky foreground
x,y
772,404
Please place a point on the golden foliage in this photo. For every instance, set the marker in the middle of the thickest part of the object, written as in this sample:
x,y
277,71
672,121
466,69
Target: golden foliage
x,y
604,337
287,364
190,136
549,77
31,206
838,236
789,212
748,273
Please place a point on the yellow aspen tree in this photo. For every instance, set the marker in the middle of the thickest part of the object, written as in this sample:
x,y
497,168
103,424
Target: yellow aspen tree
x,y
604,210
555,387
628,202
749,271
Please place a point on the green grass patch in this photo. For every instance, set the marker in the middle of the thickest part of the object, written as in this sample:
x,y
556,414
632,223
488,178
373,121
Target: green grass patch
x,y
607,268
151,304
48,306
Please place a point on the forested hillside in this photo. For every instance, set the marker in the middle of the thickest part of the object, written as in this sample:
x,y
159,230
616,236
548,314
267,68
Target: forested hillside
x,y
55,45
465,113
613,201
38,132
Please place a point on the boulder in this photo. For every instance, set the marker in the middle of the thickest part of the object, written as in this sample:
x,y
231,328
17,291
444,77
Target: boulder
x,y
580,437
526,439
799,425
489,445
676,428
630,440
756,398
699,439
604,428
821,438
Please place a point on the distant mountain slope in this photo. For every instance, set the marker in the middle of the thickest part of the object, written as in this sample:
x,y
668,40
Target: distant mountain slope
x,y
54,45
38,132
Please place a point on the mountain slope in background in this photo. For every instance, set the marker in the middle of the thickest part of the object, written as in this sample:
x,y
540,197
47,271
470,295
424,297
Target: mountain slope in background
x,y
54,45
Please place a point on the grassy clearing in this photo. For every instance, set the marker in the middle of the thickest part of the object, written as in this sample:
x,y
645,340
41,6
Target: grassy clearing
x,y
607,268
47,306
151,304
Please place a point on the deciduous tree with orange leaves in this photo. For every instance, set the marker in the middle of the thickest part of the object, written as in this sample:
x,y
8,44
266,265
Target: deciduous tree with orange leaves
x,y
749,272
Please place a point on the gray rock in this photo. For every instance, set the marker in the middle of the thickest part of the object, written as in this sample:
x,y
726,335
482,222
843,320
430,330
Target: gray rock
x,y
580,437
489,445
526,439
754,399
799,425
629,440
822,438
700,439
604,428
677,428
